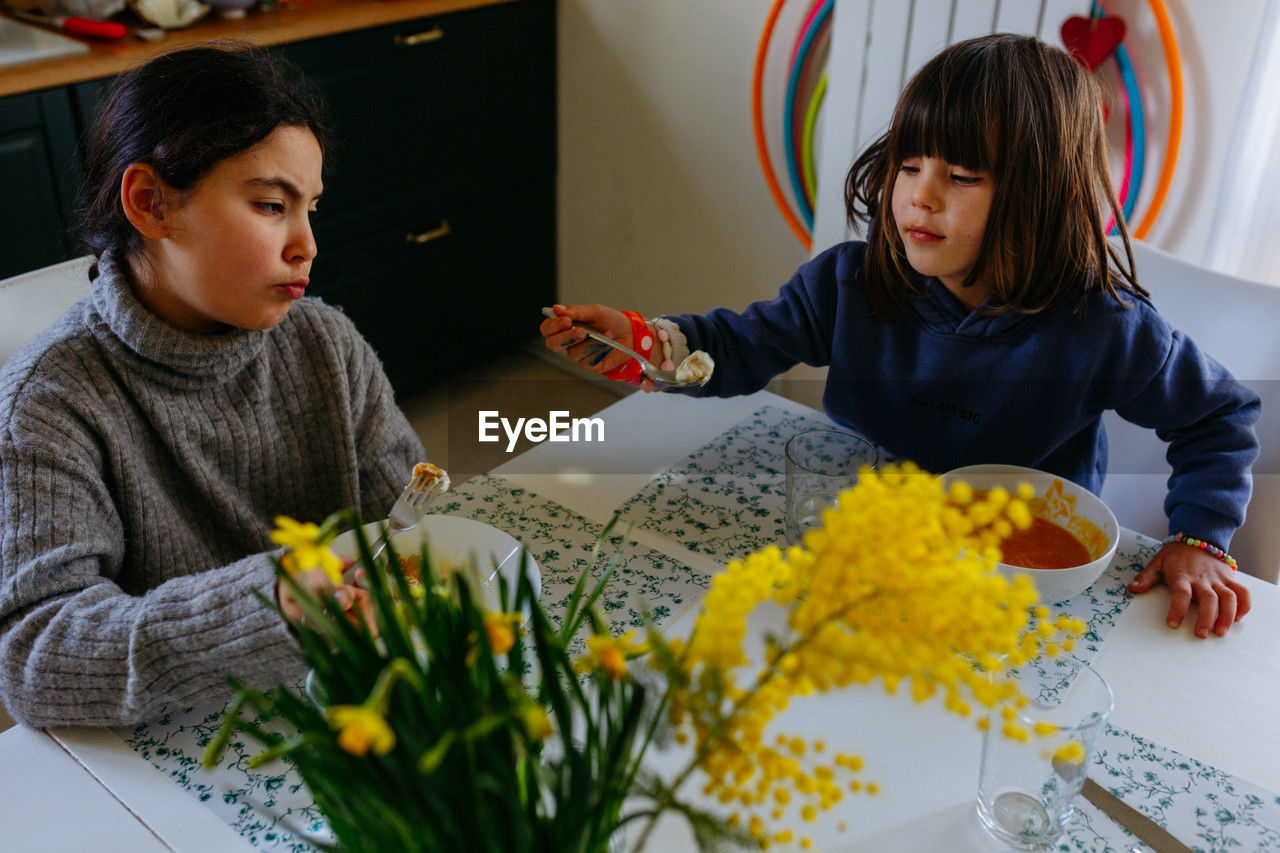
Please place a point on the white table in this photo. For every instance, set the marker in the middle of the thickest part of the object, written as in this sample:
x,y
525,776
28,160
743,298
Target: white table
x,y
1215,700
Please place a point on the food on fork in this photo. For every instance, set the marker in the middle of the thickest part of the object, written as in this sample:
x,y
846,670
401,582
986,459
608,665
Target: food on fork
x,y
696,367
426,477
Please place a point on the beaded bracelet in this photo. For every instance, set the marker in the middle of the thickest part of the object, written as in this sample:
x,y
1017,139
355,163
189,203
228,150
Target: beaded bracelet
x,y
641,342
1208,547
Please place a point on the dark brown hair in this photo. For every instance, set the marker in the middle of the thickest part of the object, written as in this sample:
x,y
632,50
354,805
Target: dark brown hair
x,y
1029,115
182,113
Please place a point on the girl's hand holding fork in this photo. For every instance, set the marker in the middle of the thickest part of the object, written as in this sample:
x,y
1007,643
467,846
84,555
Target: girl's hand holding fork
x,y
560,335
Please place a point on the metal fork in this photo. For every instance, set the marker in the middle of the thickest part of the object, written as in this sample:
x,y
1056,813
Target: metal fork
x,y
427,483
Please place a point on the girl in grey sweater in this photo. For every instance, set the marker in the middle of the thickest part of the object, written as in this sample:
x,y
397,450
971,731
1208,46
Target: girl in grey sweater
x,y
148,439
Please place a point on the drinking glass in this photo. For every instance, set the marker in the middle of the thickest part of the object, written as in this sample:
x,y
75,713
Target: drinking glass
x,y
821,463
1027,786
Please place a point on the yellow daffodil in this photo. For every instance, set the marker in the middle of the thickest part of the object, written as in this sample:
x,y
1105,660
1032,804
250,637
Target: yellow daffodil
x,y
501,631
308,548
608,655
361,729
536,722
364,727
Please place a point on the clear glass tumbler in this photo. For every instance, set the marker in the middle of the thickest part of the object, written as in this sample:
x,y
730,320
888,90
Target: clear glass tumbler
x,y
821,463
1034,757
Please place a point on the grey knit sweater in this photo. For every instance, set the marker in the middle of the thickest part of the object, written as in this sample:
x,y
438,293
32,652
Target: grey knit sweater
x,y
140,470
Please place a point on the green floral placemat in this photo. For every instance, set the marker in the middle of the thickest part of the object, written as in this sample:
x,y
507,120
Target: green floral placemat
x,y
723,501
726,499
562,543
1100,605
1203,807
269,806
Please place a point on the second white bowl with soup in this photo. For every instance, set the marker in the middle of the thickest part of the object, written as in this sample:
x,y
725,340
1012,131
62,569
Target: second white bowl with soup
x,y
1094,531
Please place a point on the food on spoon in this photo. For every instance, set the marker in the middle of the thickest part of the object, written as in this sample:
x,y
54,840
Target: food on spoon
x,y
696,367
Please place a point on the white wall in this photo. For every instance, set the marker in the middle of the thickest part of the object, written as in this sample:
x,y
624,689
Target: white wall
x,y
1218,42
662,205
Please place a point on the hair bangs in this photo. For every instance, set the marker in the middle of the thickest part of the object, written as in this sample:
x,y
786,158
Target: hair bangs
x,y
948,118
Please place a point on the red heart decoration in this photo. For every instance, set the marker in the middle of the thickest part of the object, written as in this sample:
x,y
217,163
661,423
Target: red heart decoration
x,y
1092,40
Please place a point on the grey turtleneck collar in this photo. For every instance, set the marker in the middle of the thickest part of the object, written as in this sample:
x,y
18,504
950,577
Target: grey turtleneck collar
x,y
159,344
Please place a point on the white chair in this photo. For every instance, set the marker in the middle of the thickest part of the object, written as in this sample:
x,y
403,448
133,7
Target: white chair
x,y
30,302
1234,321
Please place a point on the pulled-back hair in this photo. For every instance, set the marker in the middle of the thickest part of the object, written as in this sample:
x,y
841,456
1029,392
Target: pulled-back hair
x,y
182,113
1031,117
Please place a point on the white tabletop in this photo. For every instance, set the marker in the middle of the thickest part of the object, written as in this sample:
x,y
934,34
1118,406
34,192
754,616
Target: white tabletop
x,y
1215,700
49,801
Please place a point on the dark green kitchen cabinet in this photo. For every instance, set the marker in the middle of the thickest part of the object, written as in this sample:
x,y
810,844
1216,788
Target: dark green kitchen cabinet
x,y
38,177
468,291
437,224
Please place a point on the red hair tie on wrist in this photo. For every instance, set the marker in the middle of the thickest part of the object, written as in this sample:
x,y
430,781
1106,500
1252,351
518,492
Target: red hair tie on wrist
x,y
641,342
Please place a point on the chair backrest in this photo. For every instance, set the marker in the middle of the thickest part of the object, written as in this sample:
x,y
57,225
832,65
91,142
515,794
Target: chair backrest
x,y
1234,321
30,302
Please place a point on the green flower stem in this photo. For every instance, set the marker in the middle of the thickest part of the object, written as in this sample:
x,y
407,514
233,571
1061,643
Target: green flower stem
x,y
280,750
378,696
230,722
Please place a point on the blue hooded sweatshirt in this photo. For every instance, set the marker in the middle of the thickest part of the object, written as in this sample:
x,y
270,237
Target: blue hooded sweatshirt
x,y
944,386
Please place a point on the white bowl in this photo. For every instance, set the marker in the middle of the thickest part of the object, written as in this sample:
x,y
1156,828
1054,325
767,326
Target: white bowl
x,y
1090,520
457,540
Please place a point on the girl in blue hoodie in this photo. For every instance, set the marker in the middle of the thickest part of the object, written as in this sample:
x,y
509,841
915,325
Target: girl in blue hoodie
x,y
987,318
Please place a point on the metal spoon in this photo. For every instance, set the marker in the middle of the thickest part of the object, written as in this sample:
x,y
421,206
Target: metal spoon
x,y
661,378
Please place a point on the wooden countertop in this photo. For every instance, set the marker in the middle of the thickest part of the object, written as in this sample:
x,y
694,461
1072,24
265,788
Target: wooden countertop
x,y
282,23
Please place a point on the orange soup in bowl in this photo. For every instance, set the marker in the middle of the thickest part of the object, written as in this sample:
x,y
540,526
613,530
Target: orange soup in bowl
x,y
1063,503
1067,541
1044,545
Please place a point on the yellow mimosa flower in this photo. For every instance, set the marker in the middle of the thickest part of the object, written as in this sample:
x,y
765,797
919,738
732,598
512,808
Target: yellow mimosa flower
x,y
1015,732
1071,752
361,729
897,587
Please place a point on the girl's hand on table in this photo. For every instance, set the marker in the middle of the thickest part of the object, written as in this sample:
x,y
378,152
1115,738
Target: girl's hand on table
x,y
1190,573
559,336
353,599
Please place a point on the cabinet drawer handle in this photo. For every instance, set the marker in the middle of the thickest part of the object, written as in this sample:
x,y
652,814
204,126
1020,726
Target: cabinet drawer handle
x,y
428,236
424,37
